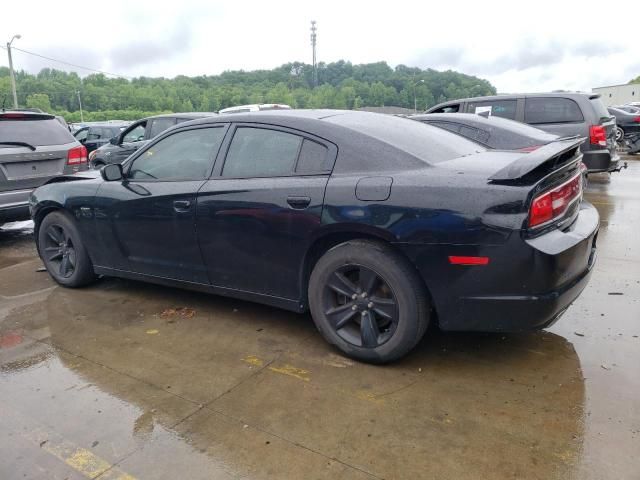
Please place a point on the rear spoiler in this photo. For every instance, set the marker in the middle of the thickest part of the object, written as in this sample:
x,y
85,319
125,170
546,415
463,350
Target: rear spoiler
x,y
530,161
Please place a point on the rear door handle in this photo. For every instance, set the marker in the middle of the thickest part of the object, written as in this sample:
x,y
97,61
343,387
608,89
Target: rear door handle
x,y
298,202
181,205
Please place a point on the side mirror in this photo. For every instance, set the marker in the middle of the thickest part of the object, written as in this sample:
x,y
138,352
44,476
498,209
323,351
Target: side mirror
x,y
111,172
114,140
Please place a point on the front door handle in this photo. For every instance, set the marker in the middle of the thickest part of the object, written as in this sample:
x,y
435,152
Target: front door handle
x,y
298,202
181,206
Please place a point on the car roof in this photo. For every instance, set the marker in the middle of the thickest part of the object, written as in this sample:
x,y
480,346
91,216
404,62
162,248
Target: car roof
x,y
513,96
183,115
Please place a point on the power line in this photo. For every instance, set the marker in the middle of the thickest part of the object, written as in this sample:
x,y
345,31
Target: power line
x,y
67,63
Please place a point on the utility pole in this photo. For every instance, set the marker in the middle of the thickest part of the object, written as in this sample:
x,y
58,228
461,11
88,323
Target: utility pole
x,y
80,102
11,73
313,45
415,98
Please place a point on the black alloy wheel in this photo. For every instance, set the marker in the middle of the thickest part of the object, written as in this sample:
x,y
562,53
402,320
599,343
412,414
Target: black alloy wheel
x,y
59,251
360,306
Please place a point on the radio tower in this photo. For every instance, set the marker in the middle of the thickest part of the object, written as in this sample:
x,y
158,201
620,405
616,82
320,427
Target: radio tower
x,y
313,45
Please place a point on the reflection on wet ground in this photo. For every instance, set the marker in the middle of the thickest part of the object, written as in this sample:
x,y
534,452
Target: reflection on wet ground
x,y
127,380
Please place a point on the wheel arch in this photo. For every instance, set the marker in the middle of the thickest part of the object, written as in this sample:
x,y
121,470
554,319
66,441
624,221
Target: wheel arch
x,y
330,238
42,211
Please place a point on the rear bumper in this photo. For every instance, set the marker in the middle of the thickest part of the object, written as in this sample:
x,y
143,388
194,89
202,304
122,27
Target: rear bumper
x,y
600,161
14,205
527,284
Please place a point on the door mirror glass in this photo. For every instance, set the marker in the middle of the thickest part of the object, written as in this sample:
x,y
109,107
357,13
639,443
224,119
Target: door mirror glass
x,y
111,172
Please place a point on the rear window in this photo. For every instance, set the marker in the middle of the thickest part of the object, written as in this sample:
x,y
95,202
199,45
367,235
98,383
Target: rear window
x,y
34,132
551,110
430,144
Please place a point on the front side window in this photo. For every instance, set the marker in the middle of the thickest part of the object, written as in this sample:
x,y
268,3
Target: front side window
x,y
159,125
259,152
94,133
81,135
185,155
136,134
497,108
551,110
455,108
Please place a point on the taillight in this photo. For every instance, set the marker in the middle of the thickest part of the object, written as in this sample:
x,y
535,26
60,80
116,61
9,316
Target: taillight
x,y
77,155
554,203
598,135
636,119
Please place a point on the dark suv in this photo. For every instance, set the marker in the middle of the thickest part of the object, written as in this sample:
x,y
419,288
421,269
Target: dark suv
x,y
563,114
95,135
34,147
136,135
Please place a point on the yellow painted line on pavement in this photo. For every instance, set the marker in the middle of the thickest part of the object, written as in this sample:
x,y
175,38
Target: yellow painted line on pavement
x,y
292,371
80,459
253,360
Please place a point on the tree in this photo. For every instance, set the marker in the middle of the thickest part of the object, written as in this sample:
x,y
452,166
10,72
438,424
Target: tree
x,y
39,100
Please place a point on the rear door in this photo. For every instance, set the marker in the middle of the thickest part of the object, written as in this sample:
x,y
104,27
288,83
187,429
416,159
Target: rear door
x,y
43,155
257,216
130,141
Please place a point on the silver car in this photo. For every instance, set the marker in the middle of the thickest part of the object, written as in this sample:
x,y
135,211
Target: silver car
x,y
34,147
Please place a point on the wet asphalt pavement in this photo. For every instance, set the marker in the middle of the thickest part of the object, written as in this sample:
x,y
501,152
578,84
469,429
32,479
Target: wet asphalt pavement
x,y
127,380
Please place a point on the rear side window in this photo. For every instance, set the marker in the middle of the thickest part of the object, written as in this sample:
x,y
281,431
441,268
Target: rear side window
x,y
34,132
496,108
551,110
259,152
599,108
159,125
314,158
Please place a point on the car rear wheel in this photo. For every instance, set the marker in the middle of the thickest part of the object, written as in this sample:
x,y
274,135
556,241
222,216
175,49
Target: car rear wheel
x,y
62,251
368,301
619,134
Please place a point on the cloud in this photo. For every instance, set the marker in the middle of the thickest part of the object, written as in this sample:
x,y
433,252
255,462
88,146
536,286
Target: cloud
x,y
524,54
139,53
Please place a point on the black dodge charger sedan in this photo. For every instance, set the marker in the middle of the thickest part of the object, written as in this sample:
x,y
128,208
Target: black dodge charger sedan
x,y
378,225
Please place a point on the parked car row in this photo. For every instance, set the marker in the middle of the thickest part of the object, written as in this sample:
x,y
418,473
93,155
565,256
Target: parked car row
x,y
379,225
563,114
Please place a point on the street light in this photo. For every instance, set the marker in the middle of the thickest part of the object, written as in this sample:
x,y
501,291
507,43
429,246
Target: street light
x,y
13,77
415,100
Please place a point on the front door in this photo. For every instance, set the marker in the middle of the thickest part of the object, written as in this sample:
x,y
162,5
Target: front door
x,y
146,223
257,217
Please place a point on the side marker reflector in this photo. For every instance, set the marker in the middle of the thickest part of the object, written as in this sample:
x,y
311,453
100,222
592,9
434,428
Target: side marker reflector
x,y
455,260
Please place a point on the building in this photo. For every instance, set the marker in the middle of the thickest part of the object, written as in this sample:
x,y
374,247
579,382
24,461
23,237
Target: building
x,y
619,94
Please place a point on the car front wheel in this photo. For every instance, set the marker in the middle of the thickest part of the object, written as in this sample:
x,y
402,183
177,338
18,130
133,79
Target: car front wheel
x,y
63,252
368,301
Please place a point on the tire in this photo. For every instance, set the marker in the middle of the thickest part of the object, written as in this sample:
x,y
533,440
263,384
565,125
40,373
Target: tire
x,y
393,305
619,135
98,165
62,251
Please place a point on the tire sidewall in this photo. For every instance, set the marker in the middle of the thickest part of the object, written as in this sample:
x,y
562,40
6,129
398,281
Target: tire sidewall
x,y
83,269
409,311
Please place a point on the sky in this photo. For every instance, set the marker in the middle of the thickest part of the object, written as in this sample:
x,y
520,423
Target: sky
x,y
518,46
